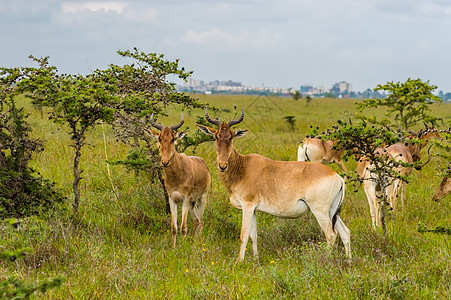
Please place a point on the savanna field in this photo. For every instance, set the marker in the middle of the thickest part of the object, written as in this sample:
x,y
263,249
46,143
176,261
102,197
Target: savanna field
x,y
119,244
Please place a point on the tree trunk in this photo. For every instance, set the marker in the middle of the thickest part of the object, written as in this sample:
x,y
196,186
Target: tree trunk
x,y
78,138
166,196
77,176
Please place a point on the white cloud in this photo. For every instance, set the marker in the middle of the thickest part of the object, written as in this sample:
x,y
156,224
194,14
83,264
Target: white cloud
x,y
221,39
74,7
435,9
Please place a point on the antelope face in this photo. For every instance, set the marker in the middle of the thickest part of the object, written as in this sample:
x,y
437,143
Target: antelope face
x,y
223,138
167,139
166,145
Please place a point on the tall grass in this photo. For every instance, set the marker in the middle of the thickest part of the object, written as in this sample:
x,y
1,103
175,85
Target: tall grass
x,y
119,245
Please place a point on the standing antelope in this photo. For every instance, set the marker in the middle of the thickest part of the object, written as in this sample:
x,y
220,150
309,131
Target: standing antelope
x,y
281,188
444,189
406,153
410,153
187,178
319,151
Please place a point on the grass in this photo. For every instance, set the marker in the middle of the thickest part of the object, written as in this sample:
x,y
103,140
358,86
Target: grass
x,y
119,246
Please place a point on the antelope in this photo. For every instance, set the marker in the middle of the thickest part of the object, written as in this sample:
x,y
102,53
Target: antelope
x,y
444,189
409,153
284,189
405,153
319,151
187,179
372,190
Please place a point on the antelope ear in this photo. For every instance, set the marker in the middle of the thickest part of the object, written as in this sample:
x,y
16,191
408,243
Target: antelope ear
x,y
151,132
180,135
207,130
240,133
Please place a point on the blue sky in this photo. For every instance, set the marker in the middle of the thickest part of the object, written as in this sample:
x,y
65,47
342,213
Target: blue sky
x,y
282,43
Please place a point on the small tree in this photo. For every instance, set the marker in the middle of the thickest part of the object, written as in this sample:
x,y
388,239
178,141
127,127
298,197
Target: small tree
x,y
296,95
362,141
407,103
79,102
291,120
144,89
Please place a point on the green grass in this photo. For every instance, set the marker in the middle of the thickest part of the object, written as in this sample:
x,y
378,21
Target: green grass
x,y
119,246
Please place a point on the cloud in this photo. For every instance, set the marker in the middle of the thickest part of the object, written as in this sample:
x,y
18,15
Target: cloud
x,y
74,7
221,39
116,14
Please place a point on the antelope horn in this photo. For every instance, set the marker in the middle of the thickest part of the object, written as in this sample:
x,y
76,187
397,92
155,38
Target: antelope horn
x,y
175,127
426,125
234,122
157,126
207,117
419,167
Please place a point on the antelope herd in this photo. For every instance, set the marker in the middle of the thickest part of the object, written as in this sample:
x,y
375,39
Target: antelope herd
x,y
285,189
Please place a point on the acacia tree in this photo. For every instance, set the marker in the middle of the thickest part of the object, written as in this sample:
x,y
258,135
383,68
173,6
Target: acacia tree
x,y
126,94
77,101
407,103
361,141
143,89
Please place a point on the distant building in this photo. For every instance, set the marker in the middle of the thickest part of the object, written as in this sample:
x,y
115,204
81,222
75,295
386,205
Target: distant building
x,y
194,82
306,89
341,87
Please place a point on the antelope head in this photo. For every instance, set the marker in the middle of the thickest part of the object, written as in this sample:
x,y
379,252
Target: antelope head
x,y
167,139
427,134
223,137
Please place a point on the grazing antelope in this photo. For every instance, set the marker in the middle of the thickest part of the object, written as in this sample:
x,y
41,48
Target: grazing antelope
x,y
444,189
187,178
319,151
284,189
407,153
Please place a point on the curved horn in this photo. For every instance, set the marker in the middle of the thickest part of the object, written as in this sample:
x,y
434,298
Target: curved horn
x,y
157,126
419,167
175,127
234,122
426,125
207,117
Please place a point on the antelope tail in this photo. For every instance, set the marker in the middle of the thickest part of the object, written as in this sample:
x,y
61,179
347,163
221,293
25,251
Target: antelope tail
x,y
335,208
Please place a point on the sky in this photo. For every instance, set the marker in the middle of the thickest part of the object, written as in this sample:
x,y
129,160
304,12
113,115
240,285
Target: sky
x,y
283,43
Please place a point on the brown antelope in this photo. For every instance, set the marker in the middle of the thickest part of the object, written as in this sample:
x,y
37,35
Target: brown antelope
x,y
372,190
319,151
444,189
187,178
284,189
407,153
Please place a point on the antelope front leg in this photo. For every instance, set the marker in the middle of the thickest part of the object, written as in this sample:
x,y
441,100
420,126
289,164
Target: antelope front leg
x,y
173,207
246,224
